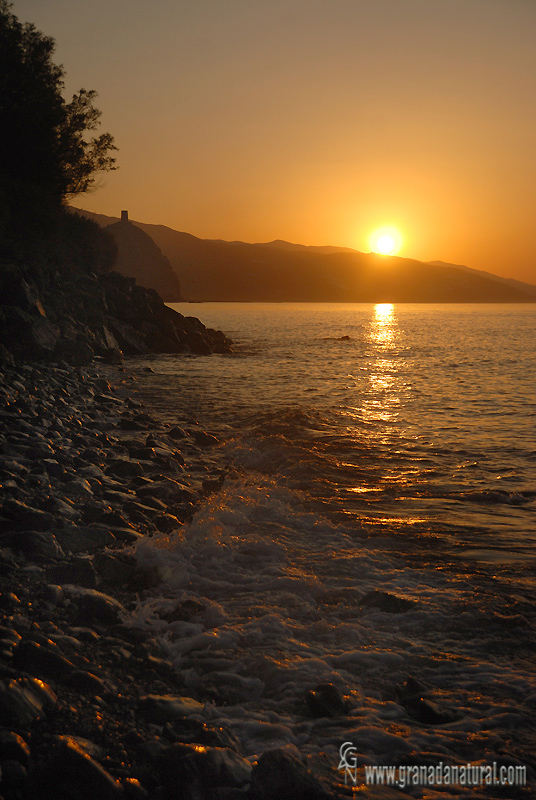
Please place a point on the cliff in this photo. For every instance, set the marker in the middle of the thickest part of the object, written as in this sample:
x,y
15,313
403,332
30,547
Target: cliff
x,y
140,258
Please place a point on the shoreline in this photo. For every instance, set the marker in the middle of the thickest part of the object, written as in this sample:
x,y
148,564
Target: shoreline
x,y
90,706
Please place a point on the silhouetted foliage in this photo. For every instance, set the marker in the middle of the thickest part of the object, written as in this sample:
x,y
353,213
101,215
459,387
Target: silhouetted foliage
x,y
46,155
84,244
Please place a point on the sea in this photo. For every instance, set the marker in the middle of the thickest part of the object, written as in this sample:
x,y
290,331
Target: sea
x,y
372,527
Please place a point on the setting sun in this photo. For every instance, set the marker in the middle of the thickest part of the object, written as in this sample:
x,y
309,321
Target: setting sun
x,y
386,241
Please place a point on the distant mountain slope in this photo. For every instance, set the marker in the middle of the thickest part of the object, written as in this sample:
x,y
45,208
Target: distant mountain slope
x,y
139,257
524,287
279,271
327,249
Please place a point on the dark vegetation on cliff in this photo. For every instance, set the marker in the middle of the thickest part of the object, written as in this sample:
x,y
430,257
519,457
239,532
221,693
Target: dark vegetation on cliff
x,y
59,298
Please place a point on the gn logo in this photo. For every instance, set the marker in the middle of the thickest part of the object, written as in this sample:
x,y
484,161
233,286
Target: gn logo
x,y
348,762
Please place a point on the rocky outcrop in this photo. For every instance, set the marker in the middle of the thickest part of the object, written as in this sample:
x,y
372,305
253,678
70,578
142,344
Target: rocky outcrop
x,y
139,257
78,316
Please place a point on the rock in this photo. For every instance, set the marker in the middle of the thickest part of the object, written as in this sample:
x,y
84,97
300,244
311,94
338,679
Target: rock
x,y
166,522
116,570
77,570
95,606
197,773
79,539
19,706
158,342
24,517
126,535
78,488
41,691
73,352
160,709
166,489
133,790
123,468
411,697
427,711
35,545
13,780
326,701
192,731
184,611
72,774
88,684
13,747
27,336
384,601
205,439
41,661
53,467
17,291
197,343
278,775
9,601
8,634
112,356
177,433
130,342
6,358
52,594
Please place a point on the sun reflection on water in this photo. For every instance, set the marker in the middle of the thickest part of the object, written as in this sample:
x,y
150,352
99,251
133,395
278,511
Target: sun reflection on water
x,y
384,325
382,400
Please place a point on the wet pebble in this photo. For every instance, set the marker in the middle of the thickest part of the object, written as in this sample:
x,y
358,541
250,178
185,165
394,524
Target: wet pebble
x,y
72,773
13,747
95,606
279,775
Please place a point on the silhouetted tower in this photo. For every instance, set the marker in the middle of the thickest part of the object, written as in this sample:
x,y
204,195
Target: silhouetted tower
x,y
124,216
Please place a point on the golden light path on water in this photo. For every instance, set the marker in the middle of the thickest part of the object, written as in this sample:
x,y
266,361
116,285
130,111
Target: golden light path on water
x,y
382,400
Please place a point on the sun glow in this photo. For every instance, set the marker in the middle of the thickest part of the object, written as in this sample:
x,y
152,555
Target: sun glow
x,y
386,241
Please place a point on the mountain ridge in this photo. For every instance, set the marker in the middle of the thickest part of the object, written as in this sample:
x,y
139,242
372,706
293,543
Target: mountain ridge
x,y
279,271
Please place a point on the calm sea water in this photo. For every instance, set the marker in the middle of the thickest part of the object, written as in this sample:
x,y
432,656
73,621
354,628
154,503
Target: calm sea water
x,y
367,448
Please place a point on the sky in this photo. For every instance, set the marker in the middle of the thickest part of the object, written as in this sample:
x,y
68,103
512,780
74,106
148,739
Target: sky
x,y
315,121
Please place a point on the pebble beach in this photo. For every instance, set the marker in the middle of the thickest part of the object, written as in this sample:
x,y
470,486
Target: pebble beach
x,y
90,705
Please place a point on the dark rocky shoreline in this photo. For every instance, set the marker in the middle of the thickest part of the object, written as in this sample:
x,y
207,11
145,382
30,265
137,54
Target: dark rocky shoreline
x,y
76,316
90,707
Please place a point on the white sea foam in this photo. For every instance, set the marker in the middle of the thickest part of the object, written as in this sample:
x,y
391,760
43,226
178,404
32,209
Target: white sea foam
x,y
328,504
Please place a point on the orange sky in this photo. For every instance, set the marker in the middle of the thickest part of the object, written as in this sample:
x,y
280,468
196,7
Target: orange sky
x,y
316,121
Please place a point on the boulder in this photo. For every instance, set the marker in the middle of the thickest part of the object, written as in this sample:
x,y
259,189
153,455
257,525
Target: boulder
x,y
385,601
83,539
19,705
27,336
326,700
72,774
24,518
95,606
17,291
279,775
160,709
34,545
73,352
202,771
41,661
13,747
